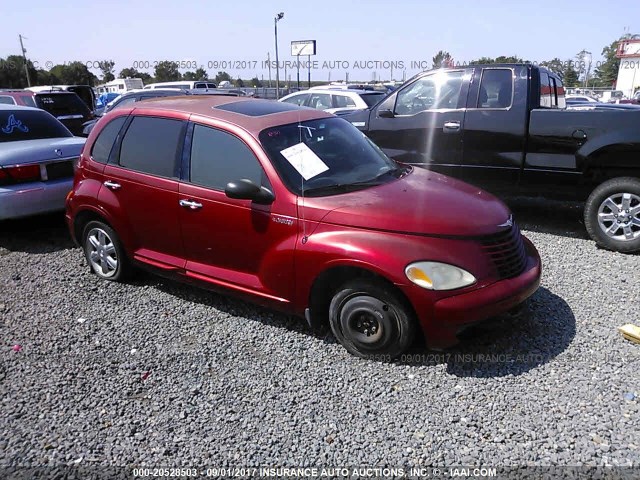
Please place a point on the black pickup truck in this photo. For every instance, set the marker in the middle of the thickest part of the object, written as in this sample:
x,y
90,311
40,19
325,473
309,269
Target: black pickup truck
x,y
506,128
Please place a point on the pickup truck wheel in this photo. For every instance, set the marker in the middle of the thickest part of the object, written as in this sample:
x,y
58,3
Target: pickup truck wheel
x,y
612,214
371,320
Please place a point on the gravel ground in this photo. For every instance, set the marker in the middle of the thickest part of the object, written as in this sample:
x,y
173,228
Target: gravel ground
x,y
154,373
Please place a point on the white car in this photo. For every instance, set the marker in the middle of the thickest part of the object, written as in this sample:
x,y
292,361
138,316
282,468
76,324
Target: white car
x,y
335,101
581,98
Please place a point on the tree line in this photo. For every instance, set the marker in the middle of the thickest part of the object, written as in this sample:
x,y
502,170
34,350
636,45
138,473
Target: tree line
x,y
574,72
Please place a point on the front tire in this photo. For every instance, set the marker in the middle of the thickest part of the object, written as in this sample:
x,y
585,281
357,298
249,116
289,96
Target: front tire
x,y
104,252
612,215
371,320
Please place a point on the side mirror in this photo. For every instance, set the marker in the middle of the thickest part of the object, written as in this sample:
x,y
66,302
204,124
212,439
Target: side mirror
x,y
245,189
386,113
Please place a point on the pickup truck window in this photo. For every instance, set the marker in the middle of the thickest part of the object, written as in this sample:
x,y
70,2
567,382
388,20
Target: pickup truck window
x,y
431,92
545,91
496,88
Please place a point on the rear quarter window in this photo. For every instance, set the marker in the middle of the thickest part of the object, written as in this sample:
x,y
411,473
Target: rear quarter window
x,y
5,99
102,146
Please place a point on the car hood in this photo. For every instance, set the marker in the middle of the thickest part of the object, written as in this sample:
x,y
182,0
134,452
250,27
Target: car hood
x,y
40,150
420,203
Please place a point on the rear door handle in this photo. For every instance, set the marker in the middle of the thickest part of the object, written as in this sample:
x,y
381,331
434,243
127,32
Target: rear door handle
x,y
451,127
112,185
190,204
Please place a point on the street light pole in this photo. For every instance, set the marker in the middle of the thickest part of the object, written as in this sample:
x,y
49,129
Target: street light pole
x,y
275,25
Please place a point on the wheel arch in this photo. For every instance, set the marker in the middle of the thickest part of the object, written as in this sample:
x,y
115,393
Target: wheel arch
x,y
328,281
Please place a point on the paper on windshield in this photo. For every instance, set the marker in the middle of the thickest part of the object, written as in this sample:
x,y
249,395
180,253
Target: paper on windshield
x,y
302,158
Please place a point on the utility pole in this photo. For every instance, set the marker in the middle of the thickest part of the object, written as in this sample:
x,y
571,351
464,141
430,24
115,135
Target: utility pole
x,y
269,66
275,28
24,56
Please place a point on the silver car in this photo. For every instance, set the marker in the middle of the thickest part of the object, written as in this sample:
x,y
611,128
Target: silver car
x,y
38,155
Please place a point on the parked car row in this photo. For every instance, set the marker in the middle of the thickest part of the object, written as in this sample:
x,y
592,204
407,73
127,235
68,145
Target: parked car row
x,y
37,159
66,106
294,208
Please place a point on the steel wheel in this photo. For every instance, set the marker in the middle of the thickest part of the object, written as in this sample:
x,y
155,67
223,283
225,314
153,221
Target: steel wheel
x,y
371,320
619,216
362,319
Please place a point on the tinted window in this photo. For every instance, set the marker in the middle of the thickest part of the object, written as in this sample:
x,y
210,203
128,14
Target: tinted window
x,y
151,145
123,102
106,138
342,101
7,100
440,90
496,88
29,125
297,99
29,101
545,90
62,104
218,158
372,98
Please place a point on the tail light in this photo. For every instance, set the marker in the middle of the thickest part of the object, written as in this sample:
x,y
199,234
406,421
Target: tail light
x,y
19,174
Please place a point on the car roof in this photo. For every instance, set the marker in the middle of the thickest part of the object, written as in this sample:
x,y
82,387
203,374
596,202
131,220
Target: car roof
x,y
4,106
251,114
341,91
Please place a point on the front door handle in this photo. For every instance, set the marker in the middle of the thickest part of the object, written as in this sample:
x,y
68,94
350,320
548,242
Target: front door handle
x,y
451,127
190,204
112,185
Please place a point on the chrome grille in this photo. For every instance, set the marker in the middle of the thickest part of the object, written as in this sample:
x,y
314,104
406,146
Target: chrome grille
x,y
506,251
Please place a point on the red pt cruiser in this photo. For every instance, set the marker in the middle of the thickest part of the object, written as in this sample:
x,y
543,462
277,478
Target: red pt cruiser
x,y
297,210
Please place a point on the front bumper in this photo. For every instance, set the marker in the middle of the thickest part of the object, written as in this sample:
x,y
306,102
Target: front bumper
x,y
452,314
33,198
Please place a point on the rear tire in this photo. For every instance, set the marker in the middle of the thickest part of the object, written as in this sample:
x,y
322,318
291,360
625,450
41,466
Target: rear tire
x,y
104,252
371,320
612,214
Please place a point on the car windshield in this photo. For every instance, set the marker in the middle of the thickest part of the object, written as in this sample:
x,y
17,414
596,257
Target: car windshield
x,y
326,157
18,125
372,98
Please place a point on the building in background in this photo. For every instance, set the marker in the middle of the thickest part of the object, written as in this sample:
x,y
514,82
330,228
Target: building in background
x,y
629,71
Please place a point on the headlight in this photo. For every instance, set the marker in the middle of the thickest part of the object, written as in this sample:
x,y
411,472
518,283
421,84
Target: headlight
x,y
438,276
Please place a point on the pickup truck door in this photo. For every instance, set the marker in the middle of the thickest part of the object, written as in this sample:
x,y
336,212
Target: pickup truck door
x,y
495,128
422,123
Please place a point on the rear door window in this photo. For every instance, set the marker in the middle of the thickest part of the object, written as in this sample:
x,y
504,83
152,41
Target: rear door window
x,y
343,101
321,101
496,88
151,145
